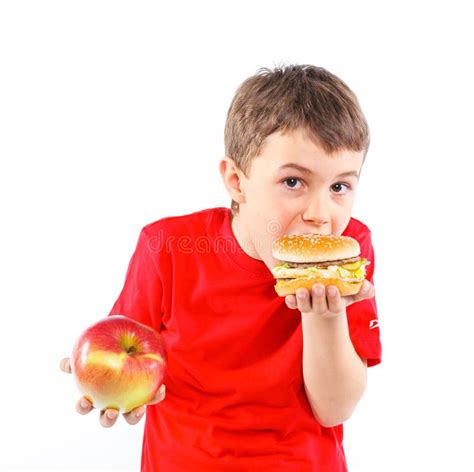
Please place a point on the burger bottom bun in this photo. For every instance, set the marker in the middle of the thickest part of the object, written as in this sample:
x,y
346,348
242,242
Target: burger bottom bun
x,y
289,286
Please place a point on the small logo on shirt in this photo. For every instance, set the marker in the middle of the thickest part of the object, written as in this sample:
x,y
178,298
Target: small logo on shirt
x,y
373,324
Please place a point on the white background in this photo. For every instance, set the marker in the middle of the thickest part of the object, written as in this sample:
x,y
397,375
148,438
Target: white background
x,y
112,116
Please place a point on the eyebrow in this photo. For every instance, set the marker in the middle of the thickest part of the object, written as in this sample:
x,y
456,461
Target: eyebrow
x,y
307,171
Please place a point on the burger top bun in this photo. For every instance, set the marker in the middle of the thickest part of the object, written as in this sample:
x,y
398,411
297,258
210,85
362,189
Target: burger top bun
x,y
305,248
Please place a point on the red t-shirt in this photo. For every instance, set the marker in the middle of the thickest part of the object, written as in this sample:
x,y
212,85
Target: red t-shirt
x,y
235,399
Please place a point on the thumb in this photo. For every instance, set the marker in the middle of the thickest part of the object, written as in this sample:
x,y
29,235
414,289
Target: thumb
x,y
366,291
160,395
65,365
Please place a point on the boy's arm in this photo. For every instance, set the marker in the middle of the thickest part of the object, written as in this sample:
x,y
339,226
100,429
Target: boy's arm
x,y
335,377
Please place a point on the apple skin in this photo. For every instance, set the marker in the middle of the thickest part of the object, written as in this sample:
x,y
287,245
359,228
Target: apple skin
x,y
119,363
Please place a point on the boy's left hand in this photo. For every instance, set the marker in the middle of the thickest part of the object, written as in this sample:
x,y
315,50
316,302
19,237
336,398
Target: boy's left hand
x,y
323,303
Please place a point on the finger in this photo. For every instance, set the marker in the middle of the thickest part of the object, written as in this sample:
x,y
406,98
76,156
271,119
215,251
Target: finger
x,y
160,396
318,294
108,417
335,303
367,290
65,365
303,300
84,406
134,416
291,301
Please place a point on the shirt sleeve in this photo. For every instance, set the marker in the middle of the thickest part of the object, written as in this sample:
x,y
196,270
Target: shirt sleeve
x,y
142,292
362,316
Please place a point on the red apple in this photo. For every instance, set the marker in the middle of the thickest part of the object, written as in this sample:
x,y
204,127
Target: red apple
x,y
119,363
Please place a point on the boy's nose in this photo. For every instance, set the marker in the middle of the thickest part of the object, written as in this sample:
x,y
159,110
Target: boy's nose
x,y
316,214
318,226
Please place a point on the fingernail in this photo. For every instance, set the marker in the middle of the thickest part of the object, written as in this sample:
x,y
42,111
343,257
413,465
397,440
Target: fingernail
x,y
332,291
84,404
139,413
110,415
318,291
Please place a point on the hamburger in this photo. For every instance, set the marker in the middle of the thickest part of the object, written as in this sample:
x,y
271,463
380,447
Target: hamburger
x,y
307,259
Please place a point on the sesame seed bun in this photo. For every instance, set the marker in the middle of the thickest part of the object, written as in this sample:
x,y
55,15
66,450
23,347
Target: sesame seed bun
x,y
314,248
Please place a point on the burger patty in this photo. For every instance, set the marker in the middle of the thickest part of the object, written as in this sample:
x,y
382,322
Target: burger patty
x,y
321,264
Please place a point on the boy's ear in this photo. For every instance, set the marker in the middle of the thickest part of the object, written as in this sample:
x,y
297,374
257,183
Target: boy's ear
x,y
232,177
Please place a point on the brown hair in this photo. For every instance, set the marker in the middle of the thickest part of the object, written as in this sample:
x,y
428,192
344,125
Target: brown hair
x,y
291,97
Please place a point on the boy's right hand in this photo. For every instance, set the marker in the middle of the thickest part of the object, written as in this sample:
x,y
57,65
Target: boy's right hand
x,y
109,417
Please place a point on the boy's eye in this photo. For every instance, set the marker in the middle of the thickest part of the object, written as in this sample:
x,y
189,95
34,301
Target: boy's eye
x,y
292,182
339,188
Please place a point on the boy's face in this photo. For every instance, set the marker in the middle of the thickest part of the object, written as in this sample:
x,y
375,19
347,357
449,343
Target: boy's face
x,y
279,198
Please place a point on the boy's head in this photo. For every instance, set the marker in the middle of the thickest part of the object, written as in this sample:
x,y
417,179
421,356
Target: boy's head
x,y
296,114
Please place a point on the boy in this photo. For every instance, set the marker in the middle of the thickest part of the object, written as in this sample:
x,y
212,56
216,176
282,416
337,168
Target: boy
x,y
255,381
